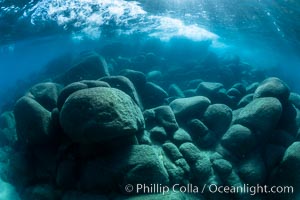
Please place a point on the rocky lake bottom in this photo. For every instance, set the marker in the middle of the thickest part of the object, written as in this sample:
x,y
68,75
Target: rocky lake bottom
x,y
131,128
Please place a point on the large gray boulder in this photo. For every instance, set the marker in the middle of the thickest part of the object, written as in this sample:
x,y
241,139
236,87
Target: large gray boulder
x,y
90,66
262,114
273,87
100,114
187,108
33,121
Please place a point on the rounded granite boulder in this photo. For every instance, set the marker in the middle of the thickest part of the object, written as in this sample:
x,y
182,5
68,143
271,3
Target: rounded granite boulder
x,y
273,87
100,114
262,114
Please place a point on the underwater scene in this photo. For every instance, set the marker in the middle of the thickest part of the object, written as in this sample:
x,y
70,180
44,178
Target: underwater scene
x,y
149,99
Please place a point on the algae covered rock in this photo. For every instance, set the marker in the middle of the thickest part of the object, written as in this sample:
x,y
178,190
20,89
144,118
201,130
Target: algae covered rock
x,y
33,121
261,114
273,87
217,117
100,114
90,66
186,108
238,139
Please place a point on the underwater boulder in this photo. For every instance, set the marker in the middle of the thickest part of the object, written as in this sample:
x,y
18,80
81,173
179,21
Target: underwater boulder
x,y
96,176
100,114
222,167
252,87
295,99
136,77
42,191
175,91
166,118
124,84
73,87
140,164
214,91
239,140
262,114
181,136
8,134
45,94
154,76
288,172
153,95
158,134
217,118
245,100
273,87
33,121
187,108
252,170
90,66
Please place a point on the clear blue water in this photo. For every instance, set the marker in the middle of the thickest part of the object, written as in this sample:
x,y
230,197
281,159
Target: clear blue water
x,y
263,33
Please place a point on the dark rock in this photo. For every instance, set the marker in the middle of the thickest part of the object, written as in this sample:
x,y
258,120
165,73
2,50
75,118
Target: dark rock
x,y
273,87
172,151
189,93
8,134
41,192
288,172
91,66
288,118
7,120
273,155
194,83
233,92
214,91
144,138
139,161
176,174
100,114
295,99
175,91
45,94
251,88
166,118
208,88
32,121
94,83
196,128
67,91
202,170
21,172
124,84
96,175
158,134
150,120
153,95
222,167
181,136
217,118
136,77
154,76
245,100
282,138
239,140
187,108
261,114
191,153
66,174
241,88
253,170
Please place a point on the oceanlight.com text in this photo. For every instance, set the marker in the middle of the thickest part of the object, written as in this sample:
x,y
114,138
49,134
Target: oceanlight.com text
x,y
212,188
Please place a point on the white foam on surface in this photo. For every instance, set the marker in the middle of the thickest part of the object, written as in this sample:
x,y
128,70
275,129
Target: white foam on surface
x,y
87,18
